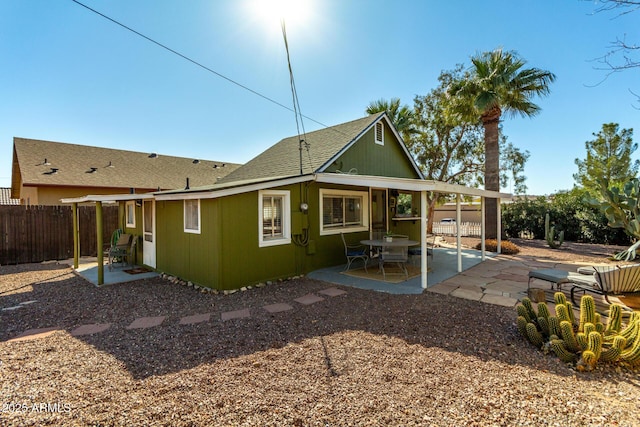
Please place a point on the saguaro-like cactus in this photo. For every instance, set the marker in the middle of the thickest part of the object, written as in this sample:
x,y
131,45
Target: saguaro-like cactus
x,y
549,234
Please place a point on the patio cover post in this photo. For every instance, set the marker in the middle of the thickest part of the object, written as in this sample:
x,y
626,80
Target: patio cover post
x,y
458,237
76,237
99,243
499,225
482,229
423,238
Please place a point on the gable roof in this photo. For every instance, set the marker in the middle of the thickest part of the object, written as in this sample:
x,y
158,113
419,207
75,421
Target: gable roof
x,y
40,163
324,145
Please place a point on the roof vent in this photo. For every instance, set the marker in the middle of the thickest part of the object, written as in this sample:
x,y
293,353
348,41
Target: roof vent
x,y
110,165
224,164
215,166
187,187
153,155
92,170
52,171
46,163
196,161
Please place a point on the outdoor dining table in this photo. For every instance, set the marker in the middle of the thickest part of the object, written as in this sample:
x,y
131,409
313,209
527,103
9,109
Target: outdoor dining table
x,y
395,243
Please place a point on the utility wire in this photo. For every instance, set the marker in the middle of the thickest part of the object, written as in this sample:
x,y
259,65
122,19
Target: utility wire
x,y
302,139
198,63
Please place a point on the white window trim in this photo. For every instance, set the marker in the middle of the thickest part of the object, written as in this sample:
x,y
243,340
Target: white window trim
x,y
286,218
184,219
375,133
128,224
365,211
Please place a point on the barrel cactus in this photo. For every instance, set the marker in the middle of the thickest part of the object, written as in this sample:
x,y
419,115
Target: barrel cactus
x,y
582,340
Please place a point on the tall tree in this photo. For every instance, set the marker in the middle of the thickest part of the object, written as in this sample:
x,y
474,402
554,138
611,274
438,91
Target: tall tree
x,y
512,161
448,147
499,84
608,157
623,54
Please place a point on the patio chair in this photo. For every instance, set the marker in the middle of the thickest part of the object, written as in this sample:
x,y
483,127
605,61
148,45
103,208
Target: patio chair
x,y
417,251
608,280
114,240
395,254
355,252
121,250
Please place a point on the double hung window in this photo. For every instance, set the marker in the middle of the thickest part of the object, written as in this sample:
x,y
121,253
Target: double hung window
x,y
192,216
275,217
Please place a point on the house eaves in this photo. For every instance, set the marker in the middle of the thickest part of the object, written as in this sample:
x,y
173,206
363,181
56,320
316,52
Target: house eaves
x,y
230,189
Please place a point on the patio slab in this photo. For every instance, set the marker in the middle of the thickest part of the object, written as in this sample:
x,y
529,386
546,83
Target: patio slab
x,y
236,314
309,299
91,329
278,308
467,294
33,334
146,322
196,318
442,267
332,292
88,269
499,300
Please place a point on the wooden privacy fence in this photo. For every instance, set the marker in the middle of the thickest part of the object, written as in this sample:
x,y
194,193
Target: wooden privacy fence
x,y
42,233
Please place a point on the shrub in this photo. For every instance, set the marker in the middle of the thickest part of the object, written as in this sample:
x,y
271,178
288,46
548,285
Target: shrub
x,y
506,247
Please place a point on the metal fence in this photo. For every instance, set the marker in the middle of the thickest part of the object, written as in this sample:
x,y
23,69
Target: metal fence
x,y
42,233
450,228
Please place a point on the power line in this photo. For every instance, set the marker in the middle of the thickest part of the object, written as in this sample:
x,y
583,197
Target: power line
x,y
302,139
230,80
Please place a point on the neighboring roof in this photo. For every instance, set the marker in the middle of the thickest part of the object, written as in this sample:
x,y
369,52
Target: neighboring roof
x,y
60,164
5,197
283,158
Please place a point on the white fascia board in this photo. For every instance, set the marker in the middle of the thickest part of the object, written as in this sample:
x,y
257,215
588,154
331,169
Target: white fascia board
x,y
214,194
406,184
107,198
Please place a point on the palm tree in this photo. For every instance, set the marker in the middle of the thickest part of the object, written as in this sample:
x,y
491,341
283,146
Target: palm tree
x,y
401,116
498,84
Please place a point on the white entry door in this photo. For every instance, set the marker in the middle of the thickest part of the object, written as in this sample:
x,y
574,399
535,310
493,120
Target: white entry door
x,y
149,229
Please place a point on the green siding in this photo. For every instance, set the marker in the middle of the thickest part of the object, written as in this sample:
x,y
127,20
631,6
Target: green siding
x,y
226,254
368,158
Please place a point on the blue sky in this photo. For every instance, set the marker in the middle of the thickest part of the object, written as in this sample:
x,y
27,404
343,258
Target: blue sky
x,y
69,75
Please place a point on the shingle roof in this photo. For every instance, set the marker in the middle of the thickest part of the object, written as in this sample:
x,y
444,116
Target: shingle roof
x,y
5,197
283,158
62,164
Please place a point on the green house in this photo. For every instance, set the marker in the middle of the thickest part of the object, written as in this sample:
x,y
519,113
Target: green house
x,y
282,213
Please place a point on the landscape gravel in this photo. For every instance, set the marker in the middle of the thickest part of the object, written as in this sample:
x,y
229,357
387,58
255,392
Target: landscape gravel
x,y
362,358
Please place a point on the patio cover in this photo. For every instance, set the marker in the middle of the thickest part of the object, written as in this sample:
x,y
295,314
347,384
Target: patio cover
x,y
226,189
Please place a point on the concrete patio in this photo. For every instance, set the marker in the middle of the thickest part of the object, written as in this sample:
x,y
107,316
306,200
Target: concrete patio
x,y
88,269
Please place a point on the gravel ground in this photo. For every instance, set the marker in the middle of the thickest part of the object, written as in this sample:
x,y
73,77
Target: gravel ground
x,y
362,358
